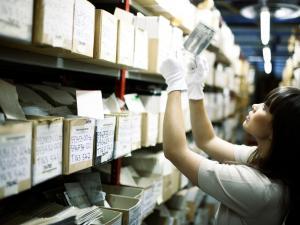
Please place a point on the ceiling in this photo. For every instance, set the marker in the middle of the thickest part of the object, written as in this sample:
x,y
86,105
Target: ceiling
x,y
247,33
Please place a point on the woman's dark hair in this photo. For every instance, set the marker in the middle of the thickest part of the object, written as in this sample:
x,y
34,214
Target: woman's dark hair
x,y
284,105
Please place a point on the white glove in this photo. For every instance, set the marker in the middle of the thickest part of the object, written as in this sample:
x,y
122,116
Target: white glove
x,y
196,70
173,72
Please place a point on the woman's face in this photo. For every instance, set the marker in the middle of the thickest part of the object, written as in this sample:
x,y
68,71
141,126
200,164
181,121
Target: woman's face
x,y
258,122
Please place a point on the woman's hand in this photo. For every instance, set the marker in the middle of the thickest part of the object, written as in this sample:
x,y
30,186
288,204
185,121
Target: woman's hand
x,y
173,72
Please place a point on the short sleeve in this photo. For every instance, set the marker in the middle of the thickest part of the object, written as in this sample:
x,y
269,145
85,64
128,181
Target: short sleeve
x,y
239,187
242,152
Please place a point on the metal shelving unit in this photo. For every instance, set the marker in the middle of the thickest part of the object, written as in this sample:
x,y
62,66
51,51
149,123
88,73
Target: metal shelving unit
x,y
56,62
145,76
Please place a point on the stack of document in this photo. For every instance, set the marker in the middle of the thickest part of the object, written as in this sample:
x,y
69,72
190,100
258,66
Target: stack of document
x,y
54,214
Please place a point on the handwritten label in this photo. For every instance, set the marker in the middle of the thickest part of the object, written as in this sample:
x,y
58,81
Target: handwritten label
x,y
15,160
16,18
105,139
81,143
123,143
84,21
48,152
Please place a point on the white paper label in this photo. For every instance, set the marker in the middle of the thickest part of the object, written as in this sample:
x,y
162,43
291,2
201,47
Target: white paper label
x,y
134,103
48,152
105,139
84,22
15,160
81,143
89,104
16,18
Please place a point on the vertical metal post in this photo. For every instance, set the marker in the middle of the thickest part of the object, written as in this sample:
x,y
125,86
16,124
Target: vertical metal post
x,y
120,92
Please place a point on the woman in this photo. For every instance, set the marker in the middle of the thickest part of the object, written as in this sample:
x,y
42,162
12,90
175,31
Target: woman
x,y
259,187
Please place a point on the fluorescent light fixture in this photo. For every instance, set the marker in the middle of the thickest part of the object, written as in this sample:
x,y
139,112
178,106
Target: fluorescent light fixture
x,y
268,67
267,54
265,25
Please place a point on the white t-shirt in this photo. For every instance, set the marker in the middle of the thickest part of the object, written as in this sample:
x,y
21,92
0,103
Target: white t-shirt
x,y
246,195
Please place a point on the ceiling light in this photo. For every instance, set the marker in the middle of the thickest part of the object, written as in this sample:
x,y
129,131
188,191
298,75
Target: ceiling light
x,y
267,54
268,67
277,10
265,25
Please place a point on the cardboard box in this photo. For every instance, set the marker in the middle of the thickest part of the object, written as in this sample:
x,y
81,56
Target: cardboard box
x,y
153,191
152,186
145,162
53,23
84,28
160,127
179,216
104,144
125,43
194,197
111,217
184,181
156,104
159,34
124,15
130,207
178,201
16,18
170,185
157,218
78,144
132,192
140,58
15,160
136,131
122,137
176,43
47,146
149,129
106,27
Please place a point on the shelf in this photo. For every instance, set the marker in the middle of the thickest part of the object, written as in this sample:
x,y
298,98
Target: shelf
x,y
57,59
145,76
